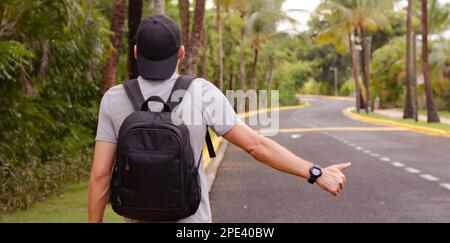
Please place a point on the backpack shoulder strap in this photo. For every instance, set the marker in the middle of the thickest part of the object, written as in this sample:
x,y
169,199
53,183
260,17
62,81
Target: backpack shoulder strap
x,y
134,93
209,144
182,84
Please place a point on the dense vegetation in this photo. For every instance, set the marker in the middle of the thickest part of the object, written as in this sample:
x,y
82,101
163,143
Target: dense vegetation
x,y
58,57
50,54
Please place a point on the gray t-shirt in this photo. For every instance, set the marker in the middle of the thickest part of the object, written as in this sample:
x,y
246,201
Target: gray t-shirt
x,y
203,105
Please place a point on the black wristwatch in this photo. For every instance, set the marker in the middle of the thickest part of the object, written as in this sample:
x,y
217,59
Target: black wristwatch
x,y
315,173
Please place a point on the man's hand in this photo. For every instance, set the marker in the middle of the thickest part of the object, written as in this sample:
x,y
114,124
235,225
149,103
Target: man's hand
x,y
332,179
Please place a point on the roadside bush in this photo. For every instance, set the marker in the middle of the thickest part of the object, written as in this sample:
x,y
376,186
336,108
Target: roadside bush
x,y
388,73
313,87
285,82
288,93
348,88
50,63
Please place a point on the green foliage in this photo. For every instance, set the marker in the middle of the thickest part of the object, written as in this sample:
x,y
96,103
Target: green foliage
x,y
343,16
13,56
56,49
348,88
315,87
302,72
388,72
287,92
446,99
285,82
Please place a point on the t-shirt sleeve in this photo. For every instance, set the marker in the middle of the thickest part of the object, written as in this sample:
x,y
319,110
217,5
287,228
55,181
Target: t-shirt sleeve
x,y
218,113
105,128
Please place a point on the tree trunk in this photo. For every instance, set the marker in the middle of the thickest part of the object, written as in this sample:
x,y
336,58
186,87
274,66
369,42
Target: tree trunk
x,y
355,72
367,52
25,81
409,107
197,30
44,59
232,81
433,116
159,6
185,37
242,60
253,82
233,88
204,66
110,69
135,8
219,78
270,80
365,68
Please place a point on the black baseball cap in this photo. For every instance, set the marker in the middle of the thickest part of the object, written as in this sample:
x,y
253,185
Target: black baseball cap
x,y
158,43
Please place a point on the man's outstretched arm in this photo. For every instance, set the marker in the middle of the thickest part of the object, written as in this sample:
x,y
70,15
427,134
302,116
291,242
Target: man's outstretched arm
x,y
99,180
276,156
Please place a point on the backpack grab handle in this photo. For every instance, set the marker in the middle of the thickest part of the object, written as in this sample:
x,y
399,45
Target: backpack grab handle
x,y
155,99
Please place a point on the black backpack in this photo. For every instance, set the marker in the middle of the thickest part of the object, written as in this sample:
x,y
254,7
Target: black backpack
x,y
155,176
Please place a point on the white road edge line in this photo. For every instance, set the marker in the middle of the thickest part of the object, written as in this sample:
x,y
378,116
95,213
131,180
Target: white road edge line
x,y
374,155
445,185
429,177
412,170
385,159
398,164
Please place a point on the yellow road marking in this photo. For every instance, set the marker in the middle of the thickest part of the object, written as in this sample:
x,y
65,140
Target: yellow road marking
x,y
337,129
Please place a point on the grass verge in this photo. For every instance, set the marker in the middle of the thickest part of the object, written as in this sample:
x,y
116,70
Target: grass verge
x,y
69,207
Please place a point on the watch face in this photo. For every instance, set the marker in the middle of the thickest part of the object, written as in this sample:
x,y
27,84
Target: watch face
x,y
315,172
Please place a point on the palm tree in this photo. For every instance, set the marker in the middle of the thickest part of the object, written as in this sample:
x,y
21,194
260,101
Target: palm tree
x,y
349,21
263,27
261,16
409,111
433,116
135,8
117,23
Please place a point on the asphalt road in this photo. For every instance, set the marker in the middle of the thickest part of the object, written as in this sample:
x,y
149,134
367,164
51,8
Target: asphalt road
x,y
396,176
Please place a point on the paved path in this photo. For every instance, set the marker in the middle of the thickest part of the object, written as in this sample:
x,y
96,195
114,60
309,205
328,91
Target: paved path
x,y
397,176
